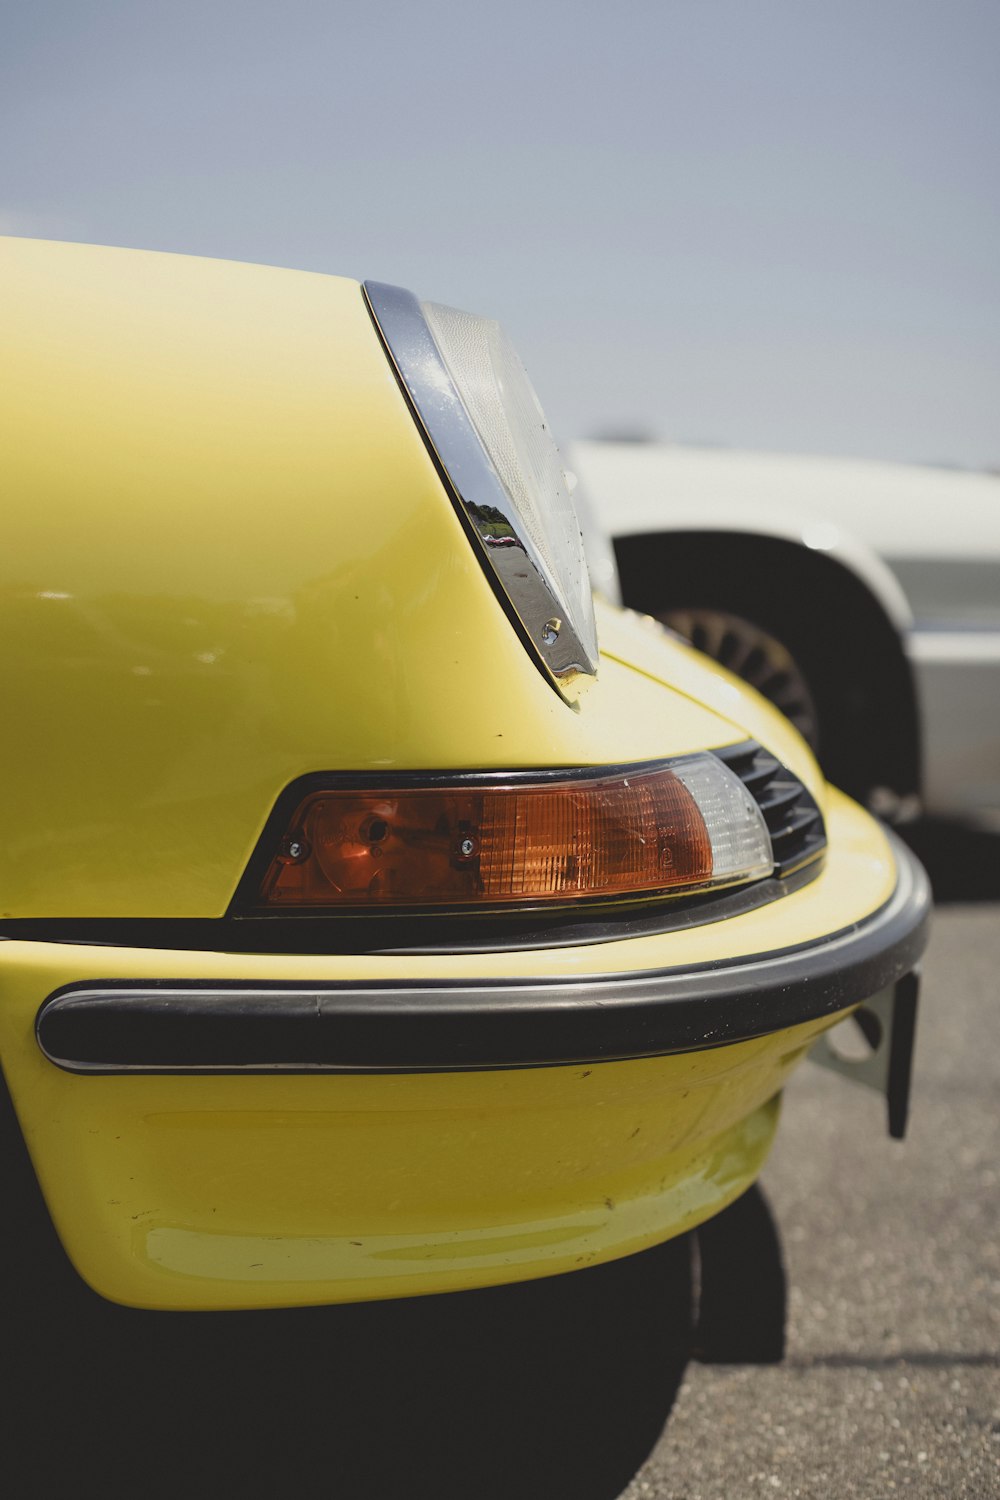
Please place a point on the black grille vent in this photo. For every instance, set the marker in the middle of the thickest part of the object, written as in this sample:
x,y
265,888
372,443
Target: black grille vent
x,y
794,821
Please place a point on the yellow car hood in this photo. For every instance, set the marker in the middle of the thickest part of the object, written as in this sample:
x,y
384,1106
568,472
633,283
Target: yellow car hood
x,y
644,644
230,562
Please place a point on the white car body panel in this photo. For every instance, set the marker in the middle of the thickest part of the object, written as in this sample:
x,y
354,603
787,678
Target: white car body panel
x,y
926,542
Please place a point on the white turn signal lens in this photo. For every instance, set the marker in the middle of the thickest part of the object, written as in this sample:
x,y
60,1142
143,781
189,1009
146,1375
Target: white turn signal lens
x,y
741,844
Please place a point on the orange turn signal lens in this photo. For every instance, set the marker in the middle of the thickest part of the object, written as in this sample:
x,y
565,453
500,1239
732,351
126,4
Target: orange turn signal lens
x,y
476,844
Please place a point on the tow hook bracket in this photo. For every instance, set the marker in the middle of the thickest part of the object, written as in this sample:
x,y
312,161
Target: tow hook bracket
x,y
885,1028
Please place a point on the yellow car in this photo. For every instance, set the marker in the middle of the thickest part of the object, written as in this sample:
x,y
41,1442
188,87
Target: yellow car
x,y
377,916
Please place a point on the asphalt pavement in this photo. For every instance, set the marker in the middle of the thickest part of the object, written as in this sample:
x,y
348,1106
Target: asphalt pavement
x,y
890,1384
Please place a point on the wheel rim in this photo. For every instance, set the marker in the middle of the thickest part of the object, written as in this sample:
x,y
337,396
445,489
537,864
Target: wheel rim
x,y
751,653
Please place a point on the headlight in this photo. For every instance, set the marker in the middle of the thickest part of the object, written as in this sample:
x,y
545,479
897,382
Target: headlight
x,y
484,425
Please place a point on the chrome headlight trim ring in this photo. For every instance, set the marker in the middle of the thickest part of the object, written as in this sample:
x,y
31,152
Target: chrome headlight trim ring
x,y
515,567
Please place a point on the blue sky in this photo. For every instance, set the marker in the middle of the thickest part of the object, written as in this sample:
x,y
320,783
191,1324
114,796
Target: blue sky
x,y
766,223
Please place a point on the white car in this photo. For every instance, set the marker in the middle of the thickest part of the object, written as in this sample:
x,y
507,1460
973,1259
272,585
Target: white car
x,y
861,597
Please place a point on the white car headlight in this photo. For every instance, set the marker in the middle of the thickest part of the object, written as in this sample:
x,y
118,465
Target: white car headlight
x,y
484,425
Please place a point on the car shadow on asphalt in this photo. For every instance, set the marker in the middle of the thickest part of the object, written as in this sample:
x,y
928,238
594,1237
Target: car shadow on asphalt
x,y
556,1387
963,863
549,1388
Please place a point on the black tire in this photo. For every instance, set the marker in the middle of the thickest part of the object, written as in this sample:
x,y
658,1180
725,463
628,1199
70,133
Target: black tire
x,y
835,661
752,653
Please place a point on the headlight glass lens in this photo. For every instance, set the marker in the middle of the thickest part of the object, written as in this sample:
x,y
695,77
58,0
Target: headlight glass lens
x,y
483,421
513,429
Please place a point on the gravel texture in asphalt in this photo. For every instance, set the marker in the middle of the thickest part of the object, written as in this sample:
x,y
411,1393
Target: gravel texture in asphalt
x,y
892,1253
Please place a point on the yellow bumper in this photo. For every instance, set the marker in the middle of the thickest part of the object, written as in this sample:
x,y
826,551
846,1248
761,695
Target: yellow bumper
x,y
255,1188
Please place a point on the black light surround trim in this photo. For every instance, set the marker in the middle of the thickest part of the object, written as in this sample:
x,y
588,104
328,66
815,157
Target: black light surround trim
x,y
375,933
794,822
606,910
554,616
